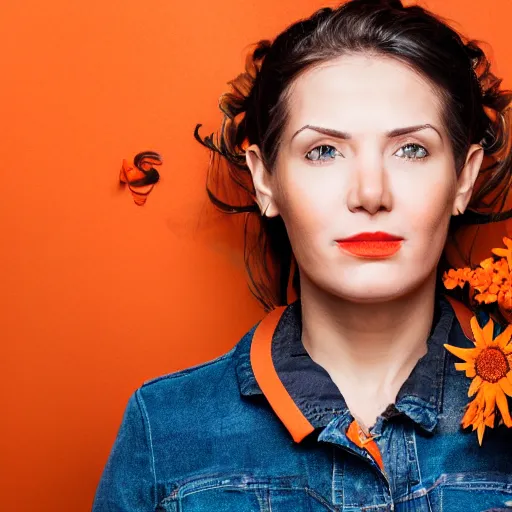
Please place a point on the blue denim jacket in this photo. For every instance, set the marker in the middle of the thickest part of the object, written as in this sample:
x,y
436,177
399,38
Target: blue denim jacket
x,y
216,437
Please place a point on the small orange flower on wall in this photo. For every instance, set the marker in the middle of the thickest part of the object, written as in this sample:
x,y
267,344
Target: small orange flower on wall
x,y
140,176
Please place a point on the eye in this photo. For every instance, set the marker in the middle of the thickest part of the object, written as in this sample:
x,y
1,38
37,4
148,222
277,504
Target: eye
x,y
322,153
412,151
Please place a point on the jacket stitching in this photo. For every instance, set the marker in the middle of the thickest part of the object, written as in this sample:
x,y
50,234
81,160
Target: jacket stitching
x,y
142,407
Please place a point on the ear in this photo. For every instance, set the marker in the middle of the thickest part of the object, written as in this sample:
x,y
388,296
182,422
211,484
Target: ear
x,y
263,181
467,178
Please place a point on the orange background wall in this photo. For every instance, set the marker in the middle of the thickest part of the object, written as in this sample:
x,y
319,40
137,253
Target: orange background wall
x,y
97,294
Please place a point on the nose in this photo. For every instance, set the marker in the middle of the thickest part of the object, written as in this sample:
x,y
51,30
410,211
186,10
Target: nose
x,y
369,189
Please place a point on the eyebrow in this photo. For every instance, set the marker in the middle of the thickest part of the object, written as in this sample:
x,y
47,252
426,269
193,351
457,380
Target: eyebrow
x,y
345,135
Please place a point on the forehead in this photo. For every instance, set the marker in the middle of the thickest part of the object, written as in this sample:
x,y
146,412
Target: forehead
x,y
362,93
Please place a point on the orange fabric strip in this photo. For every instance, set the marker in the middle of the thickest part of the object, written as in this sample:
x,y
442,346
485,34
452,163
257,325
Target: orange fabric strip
x,y
269,382
358,437
463,314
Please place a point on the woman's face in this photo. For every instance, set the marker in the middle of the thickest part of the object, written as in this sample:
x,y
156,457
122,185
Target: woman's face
x,y
365,152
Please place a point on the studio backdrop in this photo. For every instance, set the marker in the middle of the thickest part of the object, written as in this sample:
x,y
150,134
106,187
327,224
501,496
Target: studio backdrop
x,y
104,285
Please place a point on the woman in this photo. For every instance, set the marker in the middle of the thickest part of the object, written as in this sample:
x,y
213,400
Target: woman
x,y
360,134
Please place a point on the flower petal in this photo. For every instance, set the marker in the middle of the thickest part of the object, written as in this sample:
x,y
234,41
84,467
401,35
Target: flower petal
x,y
488,331
499,251
469,368
501,401
503,338
480,433
489,391
472,411
450,284
477,333
475,385
506,386
487,264
471,372
489,421
467,354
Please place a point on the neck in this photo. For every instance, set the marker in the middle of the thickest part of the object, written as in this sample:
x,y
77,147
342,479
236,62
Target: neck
x,y
369,350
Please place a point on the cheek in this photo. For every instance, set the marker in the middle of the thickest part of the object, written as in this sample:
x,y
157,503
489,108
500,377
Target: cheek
x,y
427,210
308,206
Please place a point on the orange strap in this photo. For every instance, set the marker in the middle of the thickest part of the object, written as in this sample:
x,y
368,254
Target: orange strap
x,y
464,315
358,437
269,382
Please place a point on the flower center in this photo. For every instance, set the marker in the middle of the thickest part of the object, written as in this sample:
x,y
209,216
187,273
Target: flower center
x,y
492,365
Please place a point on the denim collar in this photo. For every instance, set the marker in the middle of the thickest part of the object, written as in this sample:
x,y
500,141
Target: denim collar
x,y
316,395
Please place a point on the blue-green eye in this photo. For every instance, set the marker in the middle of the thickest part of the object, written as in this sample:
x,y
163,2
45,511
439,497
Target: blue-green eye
x,y
412,152
322,153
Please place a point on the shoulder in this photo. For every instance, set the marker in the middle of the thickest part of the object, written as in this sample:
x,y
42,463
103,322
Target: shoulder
x,y
192,382
197,389
197,371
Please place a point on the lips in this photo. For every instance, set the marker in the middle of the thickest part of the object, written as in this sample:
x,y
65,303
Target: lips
x,y
371,245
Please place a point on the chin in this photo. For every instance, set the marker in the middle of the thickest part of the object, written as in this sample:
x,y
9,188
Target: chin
x,y
373,296
367,289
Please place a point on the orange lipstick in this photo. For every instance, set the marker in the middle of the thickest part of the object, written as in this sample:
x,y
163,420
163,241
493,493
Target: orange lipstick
x,y
371,245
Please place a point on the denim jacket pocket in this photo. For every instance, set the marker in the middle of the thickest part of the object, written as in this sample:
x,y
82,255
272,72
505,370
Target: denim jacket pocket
x,y
472,492
243,493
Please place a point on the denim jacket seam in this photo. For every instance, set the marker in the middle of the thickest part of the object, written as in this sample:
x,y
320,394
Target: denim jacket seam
x,y
149,440
413,435
187,371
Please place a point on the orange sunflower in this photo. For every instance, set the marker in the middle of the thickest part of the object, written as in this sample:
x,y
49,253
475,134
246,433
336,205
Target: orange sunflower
x,y
489,364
